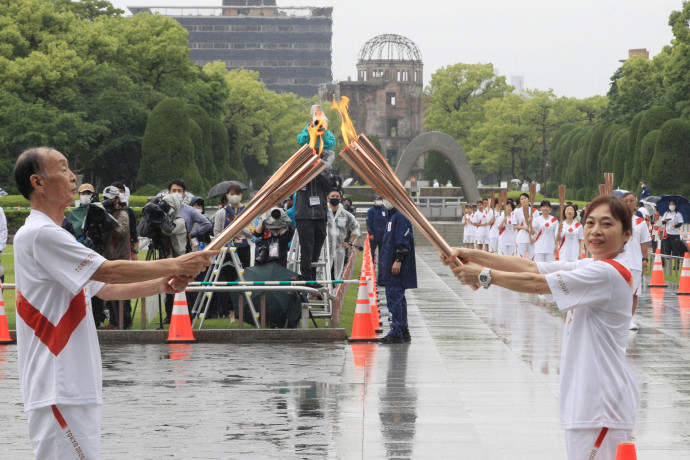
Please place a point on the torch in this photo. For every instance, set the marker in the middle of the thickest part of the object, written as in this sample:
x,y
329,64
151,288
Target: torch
x,y
299,170
561,199
608,182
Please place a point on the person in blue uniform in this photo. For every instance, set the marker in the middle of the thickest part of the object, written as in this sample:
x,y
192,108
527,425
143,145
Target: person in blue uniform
x,y
397,272
377,219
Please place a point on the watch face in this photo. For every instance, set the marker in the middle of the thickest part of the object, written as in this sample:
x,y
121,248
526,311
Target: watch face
x,y
483,278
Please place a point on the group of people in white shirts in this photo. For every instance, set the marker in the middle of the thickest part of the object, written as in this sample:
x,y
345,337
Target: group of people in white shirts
x,y
538,236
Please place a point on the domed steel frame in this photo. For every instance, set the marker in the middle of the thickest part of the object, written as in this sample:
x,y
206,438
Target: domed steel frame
x,y
390,47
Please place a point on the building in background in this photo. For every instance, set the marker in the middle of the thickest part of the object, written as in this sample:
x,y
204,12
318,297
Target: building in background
x,y
637,52
290,47
518,82
387,98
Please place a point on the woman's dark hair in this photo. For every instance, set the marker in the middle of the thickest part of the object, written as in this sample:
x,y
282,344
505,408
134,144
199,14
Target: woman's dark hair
x,y
570,205
525,195
511,204
235,189
495,202
619,210
545,203
30,162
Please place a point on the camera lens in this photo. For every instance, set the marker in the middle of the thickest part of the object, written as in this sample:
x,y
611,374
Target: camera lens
x,y
275,214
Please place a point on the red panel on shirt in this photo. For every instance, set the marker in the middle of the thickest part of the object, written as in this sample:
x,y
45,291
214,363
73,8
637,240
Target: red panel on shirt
x,y
54,337
625,273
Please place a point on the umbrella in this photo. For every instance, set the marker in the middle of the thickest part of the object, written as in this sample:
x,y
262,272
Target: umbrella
x,y
348,181
283,309
3,192
620,193
516,181
682,203
222,188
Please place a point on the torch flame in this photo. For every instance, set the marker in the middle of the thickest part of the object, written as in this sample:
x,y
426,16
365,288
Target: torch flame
x,y
346,127
315,131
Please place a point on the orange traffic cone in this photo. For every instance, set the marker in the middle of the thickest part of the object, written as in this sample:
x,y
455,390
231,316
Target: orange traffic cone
x,y
375,320
362,330
684,284
657,272
4,328
626,451
180,325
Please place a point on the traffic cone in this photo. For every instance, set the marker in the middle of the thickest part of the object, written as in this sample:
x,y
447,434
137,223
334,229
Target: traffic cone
x,y
657,272
362,330
626,451
684,284
4,328
375,320
180,325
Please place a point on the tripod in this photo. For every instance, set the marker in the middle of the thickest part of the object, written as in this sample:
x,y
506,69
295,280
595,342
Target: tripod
x,y
155,252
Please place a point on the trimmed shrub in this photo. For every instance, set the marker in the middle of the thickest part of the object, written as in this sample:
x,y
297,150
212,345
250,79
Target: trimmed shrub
x,y
669,168
619,155
647,150
652,120
167,149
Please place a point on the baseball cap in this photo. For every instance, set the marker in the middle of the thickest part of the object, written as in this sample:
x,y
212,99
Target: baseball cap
x,y
84,187
111,192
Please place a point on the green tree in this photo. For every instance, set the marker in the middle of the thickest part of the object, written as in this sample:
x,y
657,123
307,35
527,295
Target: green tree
x,y
167,149
637,85
437,166
669,168
647,150
651,120
456,97
620,152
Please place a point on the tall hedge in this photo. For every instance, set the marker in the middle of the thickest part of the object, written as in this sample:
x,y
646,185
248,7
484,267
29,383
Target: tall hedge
x,y
621,151
221,154
647,149
167,149
669,169
592,170
652,119
203,151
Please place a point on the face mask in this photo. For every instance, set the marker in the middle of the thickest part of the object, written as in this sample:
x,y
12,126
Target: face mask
x,y
177,194
388,205
234,199
378,203
672,208
84,199
334,201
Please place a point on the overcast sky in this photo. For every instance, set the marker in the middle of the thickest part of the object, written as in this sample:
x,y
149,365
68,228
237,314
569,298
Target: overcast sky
x,y
570,46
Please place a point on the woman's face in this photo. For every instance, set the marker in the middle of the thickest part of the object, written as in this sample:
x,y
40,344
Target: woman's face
x,y
508,208
604,235
569,212
524,201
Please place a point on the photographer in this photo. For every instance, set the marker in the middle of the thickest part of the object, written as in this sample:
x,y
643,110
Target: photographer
x,y
276,232
116,246
124,204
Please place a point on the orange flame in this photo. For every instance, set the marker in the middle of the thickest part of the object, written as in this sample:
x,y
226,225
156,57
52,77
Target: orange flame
x,y
346,127
316,129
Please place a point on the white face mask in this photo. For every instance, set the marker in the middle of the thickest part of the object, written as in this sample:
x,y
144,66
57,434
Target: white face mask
x,y
378,203
672,208
233,199
388,205
177,194
84,199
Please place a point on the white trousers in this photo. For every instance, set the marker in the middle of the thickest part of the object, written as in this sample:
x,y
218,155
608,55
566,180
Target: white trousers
x,y
522,249
67,431
544,257
580,443
507,249
493,245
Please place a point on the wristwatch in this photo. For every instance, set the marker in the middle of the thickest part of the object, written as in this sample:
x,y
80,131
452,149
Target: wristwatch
x,y
485,278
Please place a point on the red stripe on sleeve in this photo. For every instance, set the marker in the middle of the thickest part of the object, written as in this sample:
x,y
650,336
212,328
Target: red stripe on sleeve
x,y
59,417
625,273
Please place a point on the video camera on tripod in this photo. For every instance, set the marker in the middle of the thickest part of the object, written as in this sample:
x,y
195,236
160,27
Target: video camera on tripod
x,y
97,222
156,224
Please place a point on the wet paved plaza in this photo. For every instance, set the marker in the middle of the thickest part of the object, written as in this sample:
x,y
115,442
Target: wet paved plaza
x,y
479,381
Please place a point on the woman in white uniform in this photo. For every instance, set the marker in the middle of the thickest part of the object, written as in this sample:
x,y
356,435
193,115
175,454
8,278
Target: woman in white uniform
x,y
571,236
468,231
522,227
506,231
598,395
494,215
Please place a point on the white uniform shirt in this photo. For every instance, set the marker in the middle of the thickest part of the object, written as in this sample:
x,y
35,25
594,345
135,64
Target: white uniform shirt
x,y
3,230
571,235
506,236
522,236
469,227
597,387
545,234
338,226
57,345
632,250
493,227
479,218
675,218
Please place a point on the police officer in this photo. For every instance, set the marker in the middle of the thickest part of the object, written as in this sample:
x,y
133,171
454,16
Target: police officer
x,y
397,272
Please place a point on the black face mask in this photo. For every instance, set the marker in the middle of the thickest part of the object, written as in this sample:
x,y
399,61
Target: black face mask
x,y
334,201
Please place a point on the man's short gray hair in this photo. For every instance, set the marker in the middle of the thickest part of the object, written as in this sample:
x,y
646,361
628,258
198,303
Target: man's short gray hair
x,y
30,162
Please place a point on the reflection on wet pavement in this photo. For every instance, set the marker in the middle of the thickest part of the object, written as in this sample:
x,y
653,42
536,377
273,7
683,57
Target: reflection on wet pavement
x,y
478,381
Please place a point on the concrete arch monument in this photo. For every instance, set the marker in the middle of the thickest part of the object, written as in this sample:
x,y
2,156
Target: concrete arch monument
x,y
449,148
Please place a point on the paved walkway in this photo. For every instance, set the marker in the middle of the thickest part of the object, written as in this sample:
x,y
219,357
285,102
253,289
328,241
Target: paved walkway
x,y
479,381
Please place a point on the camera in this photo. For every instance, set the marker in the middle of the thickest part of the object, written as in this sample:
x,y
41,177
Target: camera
x,y
97,222
261,255
275,213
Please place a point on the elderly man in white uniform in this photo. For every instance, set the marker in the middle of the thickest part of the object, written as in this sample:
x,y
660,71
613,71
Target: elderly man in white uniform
x,y
57,345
